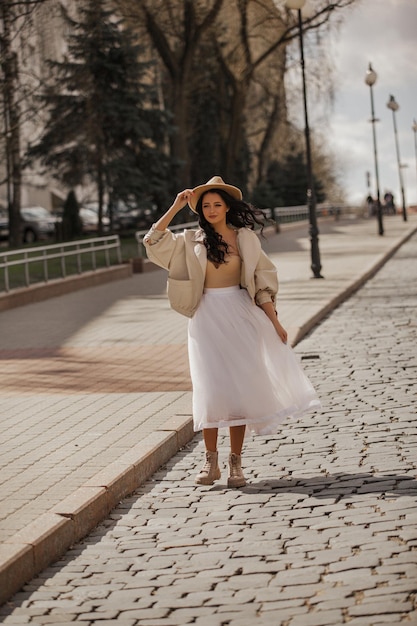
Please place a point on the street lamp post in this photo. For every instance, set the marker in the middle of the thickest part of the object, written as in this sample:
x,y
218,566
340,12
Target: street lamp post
x,y
370,79
394,106
311,196
414,129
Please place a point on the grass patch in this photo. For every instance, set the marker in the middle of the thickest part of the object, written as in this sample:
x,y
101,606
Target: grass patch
x,y
20,274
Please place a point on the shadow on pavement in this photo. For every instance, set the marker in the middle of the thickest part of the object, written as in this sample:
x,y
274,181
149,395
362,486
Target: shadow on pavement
x,y
338,485
51,323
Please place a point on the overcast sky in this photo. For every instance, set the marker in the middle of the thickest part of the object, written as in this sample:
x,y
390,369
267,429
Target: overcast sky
x,y
383,32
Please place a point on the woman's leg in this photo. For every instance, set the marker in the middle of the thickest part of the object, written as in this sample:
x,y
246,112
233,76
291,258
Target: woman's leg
x,y
210,438
236,476
210,470
237,435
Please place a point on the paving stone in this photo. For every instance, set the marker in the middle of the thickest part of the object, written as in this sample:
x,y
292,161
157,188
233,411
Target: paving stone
x,y
104,616
388,606
378,620
363,560
319,618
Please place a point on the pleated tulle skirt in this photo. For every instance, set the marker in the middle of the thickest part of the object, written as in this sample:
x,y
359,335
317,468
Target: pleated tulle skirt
x,y
242,373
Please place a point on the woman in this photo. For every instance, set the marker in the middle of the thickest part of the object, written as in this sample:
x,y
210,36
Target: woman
x,y
244,376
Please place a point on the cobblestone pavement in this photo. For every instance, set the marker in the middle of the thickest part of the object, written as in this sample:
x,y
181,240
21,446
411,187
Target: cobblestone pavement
x,y
324,534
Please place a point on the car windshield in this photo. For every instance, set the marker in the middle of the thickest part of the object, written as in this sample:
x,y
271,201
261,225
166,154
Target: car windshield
x,y
88,212
36,213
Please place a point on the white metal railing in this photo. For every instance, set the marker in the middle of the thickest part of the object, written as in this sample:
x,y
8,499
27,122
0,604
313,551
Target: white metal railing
x,y
294,213
279,215
140,234
44,254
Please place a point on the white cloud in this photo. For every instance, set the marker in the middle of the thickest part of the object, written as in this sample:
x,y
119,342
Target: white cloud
x,y
382,32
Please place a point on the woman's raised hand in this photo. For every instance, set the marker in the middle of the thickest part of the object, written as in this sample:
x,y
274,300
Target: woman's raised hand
x,y
182,198
178,204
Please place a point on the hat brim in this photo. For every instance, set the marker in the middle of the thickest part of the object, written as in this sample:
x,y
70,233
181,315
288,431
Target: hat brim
x,y
198,192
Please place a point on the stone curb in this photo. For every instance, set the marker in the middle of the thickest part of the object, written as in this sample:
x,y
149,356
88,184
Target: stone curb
x,y
31,550
43,541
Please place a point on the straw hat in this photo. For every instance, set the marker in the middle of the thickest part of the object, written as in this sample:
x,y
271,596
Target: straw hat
x,y
214,183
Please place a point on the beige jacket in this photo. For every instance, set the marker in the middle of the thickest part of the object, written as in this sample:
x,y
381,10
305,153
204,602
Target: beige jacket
x,y
184,255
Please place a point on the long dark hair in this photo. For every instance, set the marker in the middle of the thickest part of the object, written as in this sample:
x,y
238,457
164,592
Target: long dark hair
x,y
241,214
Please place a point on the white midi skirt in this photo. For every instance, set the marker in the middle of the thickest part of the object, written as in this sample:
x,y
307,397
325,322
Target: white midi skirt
x,y
241,371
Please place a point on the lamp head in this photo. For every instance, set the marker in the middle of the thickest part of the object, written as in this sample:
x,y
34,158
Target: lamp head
x,y
308,10
393,104
370,76
295,4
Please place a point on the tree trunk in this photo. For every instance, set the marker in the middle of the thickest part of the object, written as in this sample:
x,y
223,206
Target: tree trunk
x,y
264,151
179,142
100,193
234,140
177,55
12,124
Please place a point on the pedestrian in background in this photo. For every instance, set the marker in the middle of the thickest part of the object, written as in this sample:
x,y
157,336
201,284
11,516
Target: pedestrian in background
x,y
389,203
371,206
244,375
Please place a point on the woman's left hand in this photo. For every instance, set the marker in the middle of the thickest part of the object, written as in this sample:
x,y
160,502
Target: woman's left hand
x,y
282,333
269,310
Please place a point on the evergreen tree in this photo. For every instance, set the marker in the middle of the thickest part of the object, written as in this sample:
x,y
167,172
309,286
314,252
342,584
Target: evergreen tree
x,y
286,184
71,221
264,197
104,124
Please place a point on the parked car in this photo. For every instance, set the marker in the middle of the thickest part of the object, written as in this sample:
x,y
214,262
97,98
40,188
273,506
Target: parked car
x,y
4,224
133,218
89,219
37,223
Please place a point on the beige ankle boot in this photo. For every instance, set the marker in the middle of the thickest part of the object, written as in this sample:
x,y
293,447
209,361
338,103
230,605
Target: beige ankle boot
x,y
210,470
236,478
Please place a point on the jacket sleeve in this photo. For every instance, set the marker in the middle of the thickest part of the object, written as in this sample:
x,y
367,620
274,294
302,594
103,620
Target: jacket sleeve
x,y
266,280
160,246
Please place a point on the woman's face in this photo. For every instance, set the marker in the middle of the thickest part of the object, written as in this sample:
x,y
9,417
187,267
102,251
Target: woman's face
x,y
214,208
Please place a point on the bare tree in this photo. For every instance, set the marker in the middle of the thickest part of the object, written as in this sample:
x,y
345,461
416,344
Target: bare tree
x,y
251,38
13,15
176,29
11,125
252,47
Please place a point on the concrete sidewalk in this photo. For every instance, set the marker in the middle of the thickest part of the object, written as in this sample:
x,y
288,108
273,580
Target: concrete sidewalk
x,y
96,394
